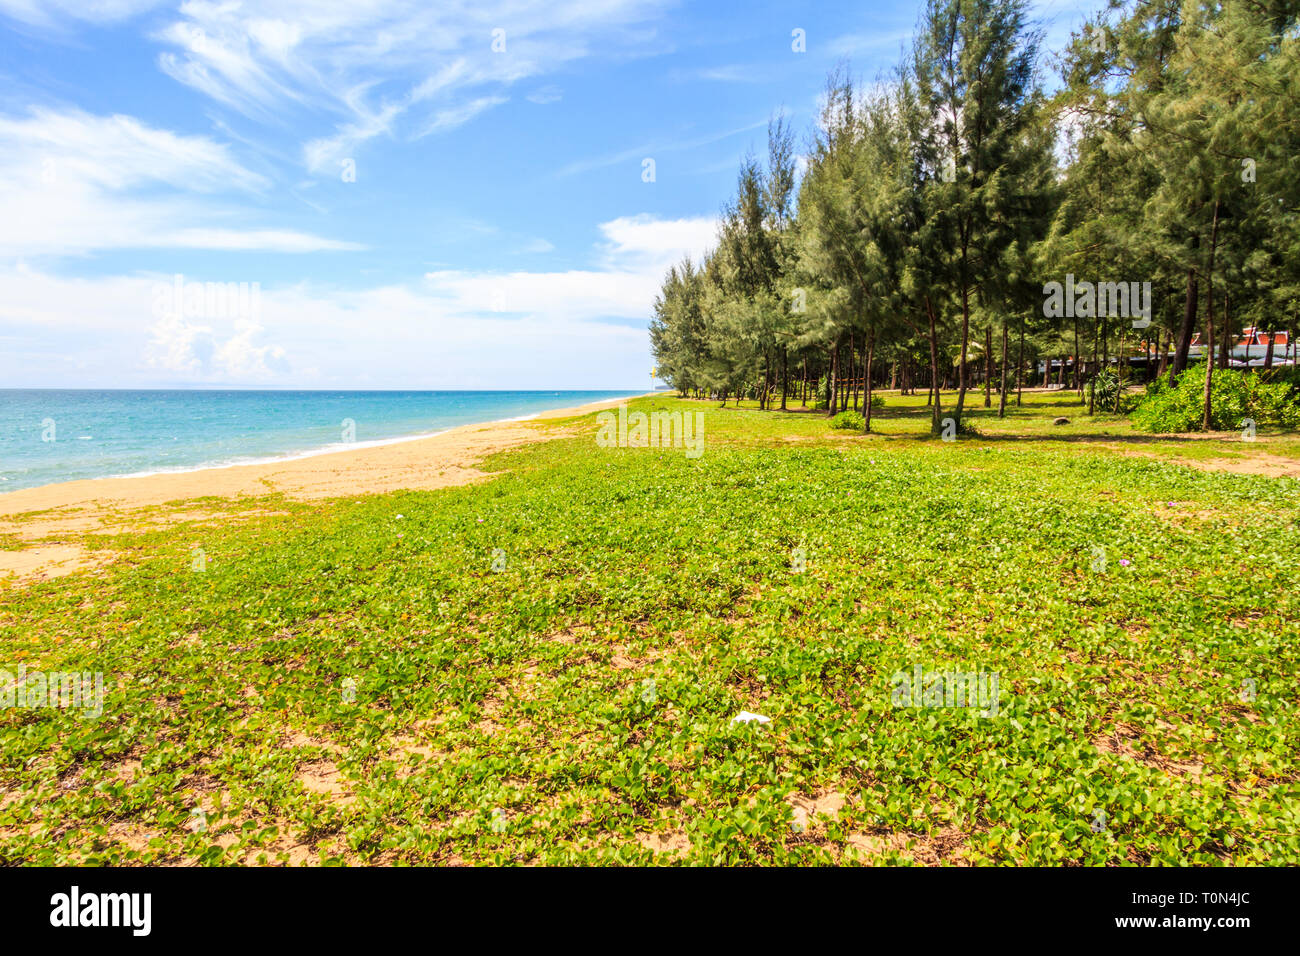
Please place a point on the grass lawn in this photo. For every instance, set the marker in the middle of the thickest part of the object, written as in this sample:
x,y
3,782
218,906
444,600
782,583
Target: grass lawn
x,y
544,668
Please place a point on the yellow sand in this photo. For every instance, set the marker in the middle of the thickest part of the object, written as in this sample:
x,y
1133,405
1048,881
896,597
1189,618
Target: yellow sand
x,y
435,462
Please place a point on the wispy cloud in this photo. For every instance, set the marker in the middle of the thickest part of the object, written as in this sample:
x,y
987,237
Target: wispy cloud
x,y
460,115
877,43
546,94
117,152
72,182
653,149
386,67
630,260
328,151
51,14
734,73
577,326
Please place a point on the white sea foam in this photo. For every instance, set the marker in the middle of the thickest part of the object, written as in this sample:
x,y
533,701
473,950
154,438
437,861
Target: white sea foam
x,y
328,449
290,456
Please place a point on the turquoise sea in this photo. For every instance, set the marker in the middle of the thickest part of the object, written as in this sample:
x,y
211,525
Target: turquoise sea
x,y
50,435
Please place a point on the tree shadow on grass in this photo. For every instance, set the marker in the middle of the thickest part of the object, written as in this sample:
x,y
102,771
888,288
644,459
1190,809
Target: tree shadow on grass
x,y
978,415
1135,438
981,419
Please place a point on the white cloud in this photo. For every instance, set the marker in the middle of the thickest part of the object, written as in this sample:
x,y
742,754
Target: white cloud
x,y
632,260
200,352
117,152
72,182
250,240
178,345
579,327
653,149
877,43
102,333
240,358
660,239
367,65
460,115
546,94
732,73
48,13
329,151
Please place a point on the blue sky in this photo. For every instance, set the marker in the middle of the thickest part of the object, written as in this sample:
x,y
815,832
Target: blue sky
x,y
426,194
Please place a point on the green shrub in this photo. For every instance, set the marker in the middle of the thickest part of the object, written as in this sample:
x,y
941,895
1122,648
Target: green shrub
x,y
1128,403
877,401
1102,390
851,419
847,420
1286,375
821,397
1235,396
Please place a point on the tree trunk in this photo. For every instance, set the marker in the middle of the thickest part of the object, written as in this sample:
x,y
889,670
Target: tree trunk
x,y
1092,392
988,364
1020,363
849,384
1105,343
834,384
1209,320
846,378
1227,324
934,373
866,391
785,374
866,361
1078,379
1002,389
935,426
850,388
1185,333
1120,364
965,345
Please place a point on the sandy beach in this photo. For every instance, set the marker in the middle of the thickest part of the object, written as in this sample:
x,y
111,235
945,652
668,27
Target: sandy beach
x,y
450,458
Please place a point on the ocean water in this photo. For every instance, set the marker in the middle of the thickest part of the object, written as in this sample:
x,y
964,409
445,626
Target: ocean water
x,y
50,435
